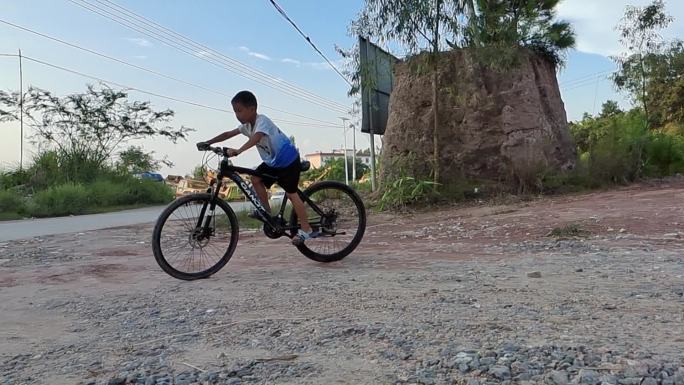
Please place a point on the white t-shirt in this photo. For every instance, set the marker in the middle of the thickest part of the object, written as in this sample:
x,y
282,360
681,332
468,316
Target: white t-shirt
x,y
275,148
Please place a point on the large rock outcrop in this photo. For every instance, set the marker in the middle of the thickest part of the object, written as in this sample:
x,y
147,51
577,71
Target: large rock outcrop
x,y
494,125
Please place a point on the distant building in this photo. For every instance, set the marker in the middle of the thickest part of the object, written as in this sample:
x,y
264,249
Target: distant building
x,y
319,158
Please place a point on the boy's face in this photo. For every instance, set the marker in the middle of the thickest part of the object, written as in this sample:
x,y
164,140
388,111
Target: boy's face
x,y
244,113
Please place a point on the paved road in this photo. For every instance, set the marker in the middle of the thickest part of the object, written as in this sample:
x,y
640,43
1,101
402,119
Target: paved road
x,y
28,228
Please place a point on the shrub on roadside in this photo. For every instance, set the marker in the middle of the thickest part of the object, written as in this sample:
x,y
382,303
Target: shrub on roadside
x,y
64,199
146,191
105,192
406,191
11,202
664,154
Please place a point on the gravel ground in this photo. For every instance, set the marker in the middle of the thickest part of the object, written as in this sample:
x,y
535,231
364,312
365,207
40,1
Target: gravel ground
x,y
484,295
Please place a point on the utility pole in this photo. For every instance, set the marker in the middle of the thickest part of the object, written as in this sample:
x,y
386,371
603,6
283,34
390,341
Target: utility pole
x,y
353,128
346,162
21,115
372,142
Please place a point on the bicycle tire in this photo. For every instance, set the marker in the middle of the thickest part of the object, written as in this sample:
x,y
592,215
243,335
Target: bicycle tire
x,y
361,228
158,251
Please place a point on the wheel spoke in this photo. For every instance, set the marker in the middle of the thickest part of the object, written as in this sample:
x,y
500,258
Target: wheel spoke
x,y
340,223
185,249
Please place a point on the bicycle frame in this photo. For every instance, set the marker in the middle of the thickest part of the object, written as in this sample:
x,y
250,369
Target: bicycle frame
x,y
226,170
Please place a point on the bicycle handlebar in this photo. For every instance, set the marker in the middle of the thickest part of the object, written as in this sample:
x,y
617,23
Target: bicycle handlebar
x,y
223,151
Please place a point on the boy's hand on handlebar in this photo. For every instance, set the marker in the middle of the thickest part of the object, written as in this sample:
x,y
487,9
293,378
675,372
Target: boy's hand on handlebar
x,y
203,146
232,152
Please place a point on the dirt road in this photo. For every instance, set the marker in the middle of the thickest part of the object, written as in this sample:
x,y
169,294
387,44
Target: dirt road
x,y
483,294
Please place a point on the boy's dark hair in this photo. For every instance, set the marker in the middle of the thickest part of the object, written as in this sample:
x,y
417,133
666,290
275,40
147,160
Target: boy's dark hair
x,y
245,98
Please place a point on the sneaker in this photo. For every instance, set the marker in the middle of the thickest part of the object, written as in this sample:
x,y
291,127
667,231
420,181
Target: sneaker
x,y
302,236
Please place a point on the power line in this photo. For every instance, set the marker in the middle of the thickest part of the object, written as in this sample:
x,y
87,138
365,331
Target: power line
x,y
127,87
585,83
226,63
143,68
159,27
585,77
174,40
123,85
284,14
175,35
221,62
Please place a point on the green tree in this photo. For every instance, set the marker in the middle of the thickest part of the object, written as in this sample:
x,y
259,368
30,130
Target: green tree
x,y
499,27
87,129
664,93
135,160
639,35
199,172
674,102
610,108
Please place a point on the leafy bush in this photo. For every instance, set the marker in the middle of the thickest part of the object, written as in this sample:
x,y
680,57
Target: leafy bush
x,y
617,147
12,179
63,199
11,202
105,192
146,191
664,154
44,172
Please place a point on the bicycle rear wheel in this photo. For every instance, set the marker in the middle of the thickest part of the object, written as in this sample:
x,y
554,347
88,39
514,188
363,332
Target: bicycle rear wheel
x,y
339,216
184,248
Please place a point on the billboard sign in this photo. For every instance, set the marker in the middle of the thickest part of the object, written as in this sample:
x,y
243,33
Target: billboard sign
x,y
377,80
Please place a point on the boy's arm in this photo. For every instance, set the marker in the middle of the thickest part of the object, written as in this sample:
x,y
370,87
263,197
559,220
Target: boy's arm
x,y
225,136
249,144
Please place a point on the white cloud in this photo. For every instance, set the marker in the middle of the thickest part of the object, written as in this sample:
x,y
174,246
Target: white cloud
x,y
259,55
291,61
318,65
255,54
594,22
324,66
139,41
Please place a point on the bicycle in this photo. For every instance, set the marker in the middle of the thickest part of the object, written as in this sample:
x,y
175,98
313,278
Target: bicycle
x,y
186,228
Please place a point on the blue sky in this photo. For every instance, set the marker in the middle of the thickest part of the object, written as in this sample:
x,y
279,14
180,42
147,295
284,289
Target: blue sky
x,y
253,33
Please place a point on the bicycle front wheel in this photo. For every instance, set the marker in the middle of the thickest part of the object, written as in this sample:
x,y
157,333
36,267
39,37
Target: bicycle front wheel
x,y
337,212
190,241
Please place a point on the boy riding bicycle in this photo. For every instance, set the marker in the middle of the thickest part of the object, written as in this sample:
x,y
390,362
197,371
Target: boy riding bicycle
x,y
279,155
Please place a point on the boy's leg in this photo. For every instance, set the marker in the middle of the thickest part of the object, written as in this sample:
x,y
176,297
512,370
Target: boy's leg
x,y
288,179
260,190
300,210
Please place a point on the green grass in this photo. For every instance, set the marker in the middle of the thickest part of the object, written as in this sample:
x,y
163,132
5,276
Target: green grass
x,y
76,199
